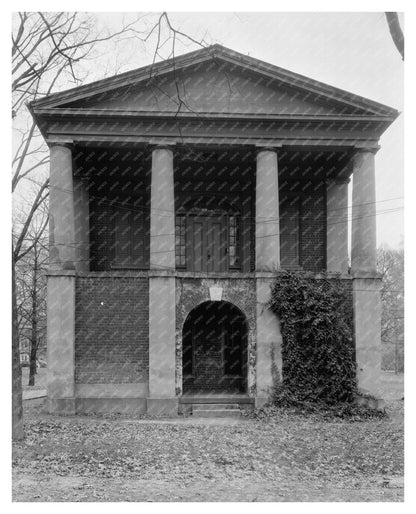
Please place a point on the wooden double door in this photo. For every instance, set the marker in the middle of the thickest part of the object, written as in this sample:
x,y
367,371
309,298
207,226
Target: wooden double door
x,y
207,246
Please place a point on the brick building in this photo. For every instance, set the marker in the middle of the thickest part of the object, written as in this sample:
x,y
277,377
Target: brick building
x,y
177,191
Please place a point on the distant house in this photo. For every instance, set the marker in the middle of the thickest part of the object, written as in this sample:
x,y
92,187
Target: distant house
x,y
176,192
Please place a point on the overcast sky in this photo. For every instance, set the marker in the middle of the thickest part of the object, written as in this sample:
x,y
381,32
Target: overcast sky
x,y
353,51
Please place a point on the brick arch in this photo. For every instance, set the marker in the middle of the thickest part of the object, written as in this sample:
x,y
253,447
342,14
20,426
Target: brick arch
x,y
218,301
249,318
206,319
241,294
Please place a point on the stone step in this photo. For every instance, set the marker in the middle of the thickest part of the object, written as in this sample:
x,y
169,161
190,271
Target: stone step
x,y
219,413
216,398
214,406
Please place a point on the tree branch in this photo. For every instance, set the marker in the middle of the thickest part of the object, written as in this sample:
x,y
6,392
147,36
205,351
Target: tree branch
x,y
396,31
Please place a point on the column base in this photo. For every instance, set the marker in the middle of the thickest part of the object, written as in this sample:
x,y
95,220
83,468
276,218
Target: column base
x,y
269,343
118,405
260,401
162,406
367,328
63,406
363,399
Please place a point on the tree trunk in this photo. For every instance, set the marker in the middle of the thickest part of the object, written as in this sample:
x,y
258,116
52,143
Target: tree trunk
x,y
34,321
32,365
17,406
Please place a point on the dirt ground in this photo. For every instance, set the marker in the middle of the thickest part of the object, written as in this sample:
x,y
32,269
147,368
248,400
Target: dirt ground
x,y
286,459
77,489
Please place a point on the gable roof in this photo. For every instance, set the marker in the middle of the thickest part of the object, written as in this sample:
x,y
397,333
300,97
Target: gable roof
x,y
219,54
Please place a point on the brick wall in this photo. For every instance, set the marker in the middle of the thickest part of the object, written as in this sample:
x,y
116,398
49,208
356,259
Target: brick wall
x,y
117,179
309,199
111,330
313,226
104,211
101,235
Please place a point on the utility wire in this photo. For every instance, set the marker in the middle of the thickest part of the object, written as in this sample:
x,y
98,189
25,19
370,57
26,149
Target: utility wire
x,y
105,201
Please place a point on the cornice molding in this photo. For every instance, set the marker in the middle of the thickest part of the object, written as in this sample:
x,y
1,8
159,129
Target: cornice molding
x,y
49,112
367,148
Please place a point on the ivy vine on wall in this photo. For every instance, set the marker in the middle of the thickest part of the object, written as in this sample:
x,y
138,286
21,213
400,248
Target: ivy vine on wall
x,y
317,351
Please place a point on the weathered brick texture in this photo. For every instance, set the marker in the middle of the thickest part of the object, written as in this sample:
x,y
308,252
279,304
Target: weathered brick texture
x,y
112,330
313,226
117,179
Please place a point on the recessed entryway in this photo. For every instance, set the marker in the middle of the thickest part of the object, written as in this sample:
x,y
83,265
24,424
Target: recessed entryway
x,y
215,350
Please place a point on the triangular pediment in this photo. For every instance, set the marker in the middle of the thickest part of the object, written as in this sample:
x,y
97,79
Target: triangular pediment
x,y
214,80
209,88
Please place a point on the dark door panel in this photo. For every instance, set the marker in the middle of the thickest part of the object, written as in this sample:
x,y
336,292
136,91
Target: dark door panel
x,y
214,350
207,243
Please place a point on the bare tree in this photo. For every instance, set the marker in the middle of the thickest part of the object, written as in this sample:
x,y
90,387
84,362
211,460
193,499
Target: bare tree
x,y
31,292
49,51
391,267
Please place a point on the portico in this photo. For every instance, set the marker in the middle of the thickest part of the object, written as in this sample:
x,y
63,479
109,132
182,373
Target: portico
x,y
153,211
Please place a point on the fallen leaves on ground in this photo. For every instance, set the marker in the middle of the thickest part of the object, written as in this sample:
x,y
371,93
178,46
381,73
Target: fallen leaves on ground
x,y
287,446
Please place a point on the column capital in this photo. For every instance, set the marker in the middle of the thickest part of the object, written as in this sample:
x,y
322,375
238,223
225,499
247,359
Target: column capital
x,y
266,148
162,145
55,144
366,149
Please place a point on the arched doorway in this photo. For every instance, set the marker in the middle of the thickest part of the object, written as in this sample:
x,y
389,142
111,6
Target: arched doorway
x,y
214,354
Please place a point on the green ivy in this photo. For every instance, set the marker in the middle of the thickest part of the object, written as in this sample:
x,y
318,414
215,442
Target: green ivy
x,y
318,352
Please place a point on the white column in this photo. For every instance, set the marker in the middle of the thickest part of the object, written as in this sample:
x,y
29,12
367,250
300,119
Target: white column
x,y
61,343
162,220
268,352
61,284
366,283
162,314
367,332
269,345
363,243
267,211
61,209
337,225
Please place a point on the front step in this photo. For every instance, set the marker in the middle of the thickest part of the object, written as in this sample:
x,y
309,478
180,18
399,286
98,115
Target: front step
x,y
214,406
215,410
229,402
218,413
